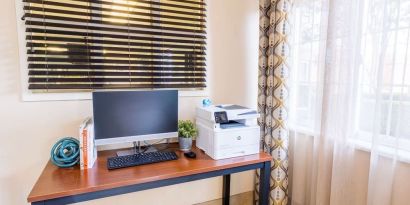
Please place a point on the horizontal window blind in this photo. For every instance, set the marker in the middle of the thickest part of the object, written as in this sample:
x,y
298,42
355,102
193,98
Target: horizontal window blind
x,y
108,44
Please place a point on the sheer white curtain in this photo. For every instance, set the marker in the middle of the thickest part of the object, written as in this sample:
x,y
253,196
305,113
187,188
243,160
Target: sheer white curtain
x,y
350,102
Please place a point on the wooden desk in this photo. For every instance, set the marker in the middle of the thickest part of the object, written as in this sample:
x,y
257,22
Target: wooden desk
x,y
70,185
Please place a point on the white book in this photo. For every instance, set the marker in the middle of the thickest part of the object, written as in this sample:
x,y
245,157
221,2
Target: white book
x,y
88,150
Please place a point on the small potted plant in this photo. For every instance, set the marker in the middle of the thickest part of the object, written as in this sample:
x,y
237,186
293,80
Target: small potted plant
x,y
186,132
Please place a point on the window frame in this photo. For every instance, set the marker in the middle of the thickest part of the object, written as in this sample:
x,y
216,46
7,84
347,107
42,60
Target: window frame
x,y
30,96
389,147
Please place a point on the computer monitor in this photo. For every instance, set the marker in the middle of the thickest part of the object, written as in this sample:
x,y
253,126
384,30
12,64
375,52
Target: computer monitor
x,y
130,116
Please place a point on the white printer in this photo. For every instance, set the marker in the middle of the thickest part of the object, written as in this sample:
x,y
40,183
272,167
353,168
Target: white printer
x,y
226,131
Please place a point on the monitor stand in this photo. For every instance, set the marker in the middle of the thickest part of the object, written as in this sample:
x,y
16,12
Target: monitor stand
x,y
136,149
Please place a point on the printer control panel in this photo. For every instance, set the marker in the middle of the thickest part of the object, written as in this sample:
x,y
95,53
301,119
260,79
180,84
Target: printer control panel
x,y
221,117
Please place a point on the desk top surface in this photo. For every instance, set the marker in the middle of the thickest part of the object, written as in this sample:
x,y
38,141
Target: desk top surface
x,y
57,182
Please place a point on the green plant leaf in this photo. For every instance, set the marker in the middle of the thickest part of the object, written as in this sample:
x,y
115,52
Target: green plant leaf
x,y
187,129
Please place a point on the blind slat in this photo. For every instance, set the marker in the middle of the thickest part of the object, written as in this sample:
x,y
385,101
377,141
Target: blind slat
x,y
107,73
127,38
110,61
81,55
192,2
43,24
88,79
110,86
112,43
110,67
37,46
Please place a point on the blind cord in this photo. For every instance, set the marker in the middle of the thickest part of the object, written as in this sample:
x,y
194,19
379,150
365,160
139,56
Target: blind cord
x,y
88,50
129,47
45,45
66,152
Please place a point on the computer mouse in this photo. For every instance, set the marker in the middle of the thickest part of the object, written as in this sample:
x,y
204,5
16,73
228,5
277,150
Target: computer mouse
x,y
190,154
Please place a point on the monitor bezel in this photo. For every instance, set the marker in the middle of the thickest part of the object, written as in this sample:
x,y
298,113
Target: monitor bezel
x,y
136,138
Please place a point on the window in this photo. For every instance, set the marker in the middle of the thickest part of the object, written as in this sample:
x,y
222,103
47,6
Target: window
x,y
307,60
395,92
110,44
377,35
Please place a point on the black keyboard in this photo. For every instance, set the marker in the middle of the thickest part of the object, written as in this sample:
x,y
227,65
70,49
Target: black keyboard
x,y
139,159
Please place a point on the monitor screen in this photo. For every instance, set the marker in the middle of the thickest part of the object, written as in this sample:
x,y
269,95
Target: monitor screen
x,y
131,115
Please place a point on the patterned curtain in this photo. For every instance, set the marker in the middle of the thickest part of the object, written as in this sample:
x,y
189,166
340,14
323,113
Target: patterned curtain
x,y
273,93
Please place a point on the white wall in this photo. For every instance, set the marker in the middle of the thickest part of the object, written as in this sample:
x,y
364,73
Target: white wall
x,y
29,129
234,34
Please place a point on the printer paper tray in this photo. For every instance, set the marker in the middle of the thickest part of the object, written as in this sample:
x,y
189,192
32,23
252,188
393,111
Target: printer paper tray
x,y
236,151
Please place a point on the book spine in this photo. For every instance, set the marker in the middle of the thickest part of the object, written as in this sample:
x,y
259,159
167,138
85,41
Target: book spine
x,y
85,148
90,146
80,139
94,147
83,145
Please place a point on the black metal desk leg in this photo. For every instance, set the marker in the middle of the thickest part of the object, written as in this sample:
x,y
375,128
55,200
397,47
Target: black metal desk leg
x,y
226,189
264,184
